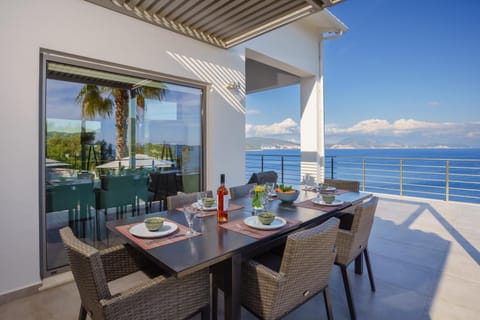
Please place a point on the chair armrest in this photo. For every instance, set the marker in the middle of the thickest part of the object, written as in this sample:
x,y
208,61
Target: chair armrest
x,y
263,271
350,210
171,297
121,260
344,245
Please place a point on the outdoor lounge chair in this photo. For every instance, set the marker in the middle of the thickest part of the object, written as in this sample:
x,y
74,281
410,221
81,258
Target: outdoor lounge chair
x,y
263,177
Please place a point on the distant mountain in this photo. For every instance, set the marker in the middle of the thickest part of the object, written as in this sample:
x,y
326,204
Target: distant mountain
x,y
367,143
256,143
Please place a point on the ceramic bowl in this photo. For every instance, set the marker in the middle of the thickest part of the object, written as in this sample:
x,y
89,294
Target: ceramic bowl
x,y
328,198
208,202
153,223
266,217
288,196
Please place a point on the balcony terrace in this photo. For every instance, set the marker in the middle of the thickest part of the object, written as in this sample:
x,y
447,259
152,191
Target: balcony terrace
x,y
425,258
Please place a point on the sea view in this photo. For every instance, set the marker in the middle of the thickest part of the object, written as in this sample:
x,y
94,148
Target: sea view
x,y
445,173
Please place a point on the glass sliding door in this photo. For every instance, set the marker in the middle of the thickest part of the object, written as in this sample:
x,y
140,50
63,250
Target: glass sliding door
x,y
115,144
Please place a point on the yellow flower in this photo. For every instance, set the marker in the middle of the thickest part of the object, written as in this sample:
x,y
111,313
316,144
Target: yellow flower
x,y
259,189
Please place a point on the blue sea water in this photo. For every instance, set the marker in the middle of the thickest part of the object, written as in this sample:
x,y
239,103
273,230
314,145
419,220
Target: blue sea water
x,y
452,174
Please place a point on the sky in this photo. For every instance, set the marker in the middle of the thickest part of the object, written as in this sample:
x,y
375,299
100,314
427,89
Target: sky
x,y
401,75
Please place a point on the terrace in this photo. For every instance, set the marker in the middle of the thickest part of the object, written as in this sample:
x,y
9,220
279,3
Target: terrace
x,y
424,256
424,252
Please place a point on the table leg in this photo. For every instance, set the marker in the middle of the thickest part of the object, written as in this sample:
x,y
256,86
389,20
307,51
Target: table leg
x,y
232,277
359,264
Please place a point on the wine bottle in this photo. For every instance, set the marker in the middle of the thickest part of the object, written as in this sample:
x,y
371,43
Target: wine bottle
x,y
222,201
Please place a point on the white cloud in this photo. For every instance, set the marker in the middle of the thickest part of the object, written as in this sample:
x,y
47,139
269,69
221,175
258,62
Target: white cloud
x,y
434,103
399,127
285,127
253,112
414,131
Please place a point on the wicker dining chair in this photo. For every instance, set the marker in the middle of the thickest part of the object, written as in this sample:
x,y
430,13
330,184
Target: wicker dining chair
x,y
119,283
353,243
350,185
273,286
179,200
345,215
241,191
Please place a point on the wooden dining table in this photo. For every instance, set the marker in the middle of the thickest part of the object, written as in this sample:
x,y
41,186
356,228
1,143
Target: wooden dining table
x,y
222,250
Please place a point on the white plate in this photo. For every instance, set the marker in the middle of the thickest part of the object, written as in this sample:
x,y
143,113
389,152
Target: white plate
x,y
335,202
255,223
140,230
200,206
328,189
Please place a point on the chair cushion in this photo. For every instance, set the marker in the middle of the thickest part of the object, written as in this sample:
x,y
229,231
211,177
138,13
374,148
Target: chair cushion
x,y
132,280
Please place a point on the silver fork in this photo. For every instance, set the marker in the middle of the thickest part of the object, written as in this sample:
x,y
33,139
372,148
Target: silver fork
x,y
239,226
166,238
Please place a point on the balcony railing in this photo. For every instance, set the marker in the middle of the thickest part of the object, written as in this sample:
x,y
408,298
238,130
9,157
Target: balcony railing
x,y
435,178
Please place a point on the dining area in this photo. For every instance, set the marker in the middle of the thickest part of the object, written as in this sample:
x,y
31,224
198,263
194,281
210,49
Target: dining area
x,y
267,266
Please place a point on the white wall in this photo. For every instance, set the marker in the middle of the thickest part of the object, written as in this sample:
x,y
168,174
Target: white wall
x,y
81,28
78,27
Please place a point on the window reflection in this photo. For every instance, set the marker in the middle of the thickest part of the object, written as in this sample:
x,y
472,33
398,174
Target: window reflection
x,y
115,145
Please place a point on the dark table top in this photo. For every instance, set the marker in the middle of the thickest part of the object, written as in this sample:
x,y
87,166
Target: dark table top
x,y
217,244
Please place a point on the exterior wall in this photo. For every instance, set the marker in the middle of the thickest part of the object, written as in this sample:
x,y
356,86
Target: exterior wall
x,y
302,58
84,29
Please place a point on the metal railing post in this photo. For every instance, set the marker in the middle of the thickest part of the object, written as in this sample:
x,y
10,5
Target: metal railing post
x,y
281,171
262,164
363,174
447,182
401,177
331,167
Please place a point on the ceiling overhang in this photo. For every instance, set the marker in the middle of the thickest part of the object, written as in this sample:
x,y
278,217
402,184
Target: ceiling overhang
x,y
222,23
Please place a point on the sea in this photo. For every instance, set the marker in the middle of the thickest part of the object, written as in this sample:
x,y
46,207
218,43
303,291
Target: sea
x,y
441,173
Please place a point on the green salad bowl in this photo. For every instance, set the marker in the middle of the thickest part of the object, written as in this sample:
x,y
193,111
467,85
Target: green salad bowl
x,y
266,217
154,223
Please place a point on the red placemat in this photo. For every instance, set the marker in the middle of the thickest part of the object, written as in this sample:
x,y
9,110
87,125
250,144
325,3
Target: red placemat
x,y
151,243
310,205
208,213
240,227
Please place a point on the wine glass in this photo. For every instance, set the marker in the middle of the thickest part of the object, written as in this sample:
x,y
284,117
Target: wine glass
x,y
190,213
264,200
269,186
304,182
200,196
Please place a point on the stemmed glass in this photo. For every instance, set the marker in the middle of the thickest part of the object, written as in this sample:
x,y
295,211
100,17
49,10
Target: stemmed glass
x,y
304,183
269,187
200,196
264,200
190,213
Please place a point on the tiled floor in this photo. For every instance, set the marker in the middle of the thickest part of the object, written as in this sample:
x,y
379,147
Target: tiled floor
x,y
425,258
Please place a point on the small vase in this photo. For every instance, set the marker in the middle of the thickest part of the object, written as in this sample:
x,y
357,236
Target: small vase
x,y
258,200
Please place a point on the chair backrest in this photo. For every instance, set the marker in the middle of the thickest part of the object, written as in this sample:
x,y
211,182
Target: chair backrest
x,y
307,262
349,185
263,177
241,191
182,199
362,223
163,184
87,270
